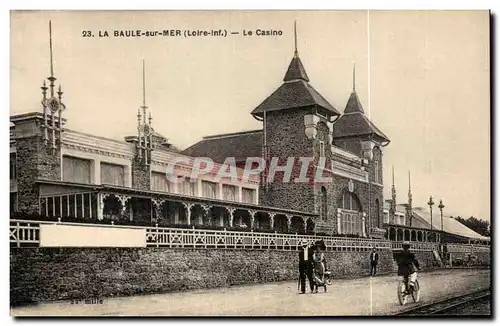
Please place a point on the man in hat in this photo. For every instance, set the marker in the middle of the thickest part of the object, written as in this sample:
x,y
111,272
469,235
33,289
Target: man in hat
x,y
373,261
306,266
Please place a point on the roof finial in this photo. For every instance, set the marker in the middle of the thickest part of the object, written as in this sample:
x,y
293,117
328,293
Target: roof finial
x,y
52,79
143,83
50,44
354,76
295,35
409,182
393,175
144,107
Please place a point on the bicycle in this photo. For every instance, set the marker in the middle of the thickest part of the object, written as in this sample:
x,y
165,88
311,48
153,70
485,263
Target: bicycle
x,y
413,291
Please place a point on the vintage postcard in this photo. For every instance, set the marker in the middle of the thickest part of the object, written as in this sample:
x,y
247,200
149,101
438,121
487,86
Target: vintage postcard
x,y
250,163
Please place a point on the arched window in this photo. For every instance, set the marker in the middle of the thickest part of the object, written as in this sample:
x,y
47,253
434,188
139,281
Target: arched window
x,y
351,221
324,204
350,202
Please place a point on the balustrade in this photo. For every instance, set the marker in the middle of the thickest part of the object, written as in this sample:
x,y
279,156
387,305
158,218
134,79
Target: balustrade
x,y
27,233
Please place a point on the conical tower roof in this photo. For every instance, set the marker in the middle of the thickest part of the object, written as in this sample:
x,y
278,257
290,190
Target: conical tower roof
x,y
296,70
354,104
354,122
295,92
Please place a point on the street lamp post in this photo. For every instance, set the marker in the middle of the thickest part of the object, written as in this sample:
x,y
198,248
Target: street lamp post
x,y
430,203
441,206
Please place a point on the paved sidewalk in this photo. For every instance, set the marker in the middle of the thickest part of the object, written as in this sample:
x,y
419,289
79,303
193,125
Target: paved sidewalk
x,y
362,296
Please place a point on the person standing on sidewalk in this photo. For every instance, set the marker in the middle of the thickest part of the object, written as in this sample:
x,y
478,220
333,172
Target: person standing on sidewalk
x,y
373,261
306,266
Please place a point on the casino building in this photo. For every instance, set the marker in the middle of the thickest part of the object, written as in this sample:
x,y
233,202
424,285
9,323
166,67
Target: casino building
x,y
59,173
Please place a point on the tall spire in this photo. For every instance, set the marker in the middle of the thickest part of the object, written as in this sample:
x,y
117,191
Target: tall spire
x,y
52,105
354,76
144,107
353,103
50,45
410,205
393,198
409,183
145,130
409,190
52,79
143,83
295,35
393,188
295,70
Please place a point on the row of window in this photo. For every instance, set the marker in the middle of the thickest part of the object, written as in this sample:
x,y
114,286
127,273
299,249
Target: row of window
x,y
398,219
79,170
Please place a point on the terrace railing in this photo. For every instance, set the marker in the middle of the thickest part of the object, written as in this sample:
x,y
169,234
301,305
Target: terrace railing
x,y
27,233
416,246
467,248
193,238
24,233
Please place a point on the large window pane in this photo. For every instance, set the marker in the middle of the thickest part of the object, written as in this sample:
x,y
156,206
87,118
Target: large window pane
x,y
346,201
354,204
76,170
248,195
229,192
187,187
159,182
208,189
112,174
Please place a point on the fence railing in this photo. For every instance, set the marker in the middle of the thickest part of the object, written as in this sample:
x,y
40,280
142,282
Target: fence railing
x,y
192,238
24,233
416,246
468,248
27,233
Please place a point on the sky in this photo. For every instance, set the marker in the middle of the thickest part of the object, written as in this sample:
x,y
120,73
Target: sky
x,y
422,76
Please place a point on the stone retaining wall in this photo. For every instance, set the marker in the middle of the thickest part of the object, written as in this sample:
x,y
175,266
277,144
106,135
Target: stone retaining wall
x,y
47,274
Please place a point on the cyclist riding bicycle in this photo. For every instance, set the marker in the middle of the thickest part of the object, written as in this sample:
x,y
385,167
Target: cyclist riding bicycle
x,y
407,266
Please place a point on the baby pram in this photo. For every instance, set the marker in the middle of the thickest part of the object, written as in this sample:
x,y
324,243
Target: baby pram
x,y
321,276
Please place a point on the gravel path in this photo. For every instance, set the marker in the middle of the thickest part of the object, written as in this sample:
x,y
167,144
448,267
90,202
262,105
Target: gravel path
x,y
362,296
